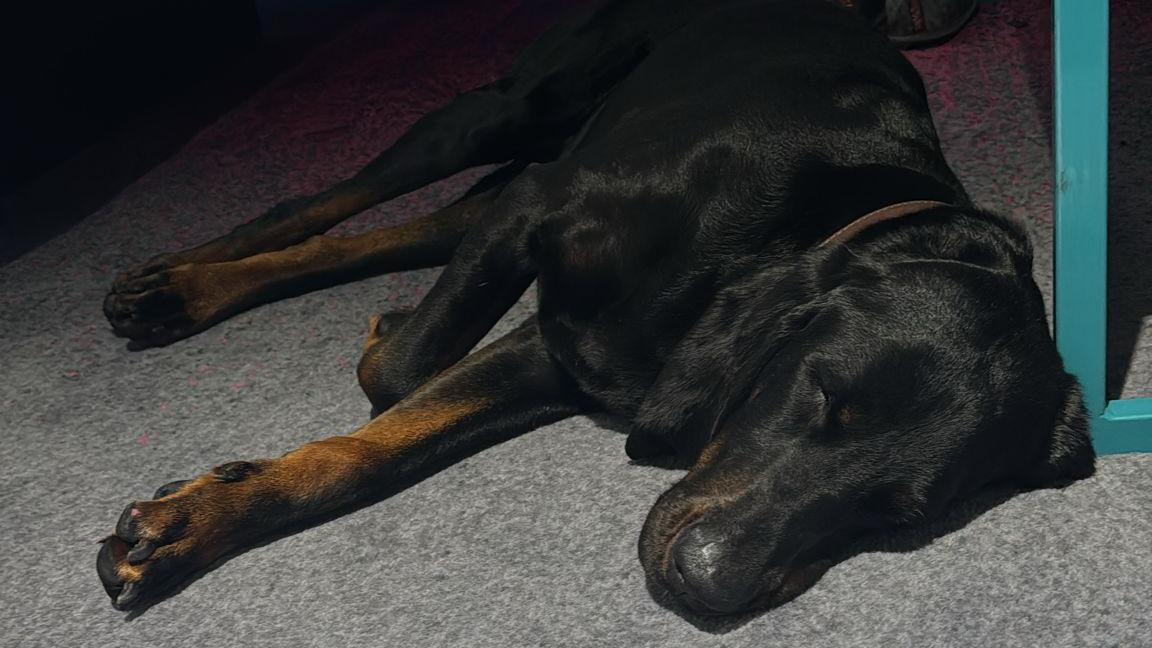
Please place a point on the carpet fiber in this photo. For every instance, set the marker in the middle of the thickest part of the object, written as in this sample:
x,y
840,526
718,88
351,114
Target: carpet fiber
x,y
530,543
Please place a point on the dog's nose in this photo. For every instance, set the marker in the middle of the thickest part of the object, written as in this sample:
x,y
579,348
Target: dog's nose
x,y
702,568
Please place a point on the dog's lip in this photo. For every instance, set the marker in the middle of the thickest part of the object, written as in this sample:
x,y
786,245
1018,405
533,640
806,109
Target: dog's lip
x,y
700,607
777,588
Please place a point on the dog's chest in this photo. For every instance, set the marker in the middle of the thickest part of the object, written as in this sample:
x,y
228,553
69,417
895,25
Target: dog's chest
x,y
614,301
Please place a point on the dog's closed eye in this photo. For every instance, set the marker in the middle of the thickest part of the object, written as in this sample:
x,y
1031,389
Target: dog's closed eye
x,y
845,414
839,410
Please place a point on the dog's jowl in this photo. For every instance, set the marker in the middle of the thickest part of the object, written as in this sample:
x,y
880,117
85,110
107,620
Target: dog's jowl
x,y
748,246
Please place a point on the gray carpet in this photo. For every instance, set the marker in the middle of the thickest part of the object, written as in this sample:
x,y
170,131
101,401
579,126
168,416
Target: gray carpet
x,y
531,543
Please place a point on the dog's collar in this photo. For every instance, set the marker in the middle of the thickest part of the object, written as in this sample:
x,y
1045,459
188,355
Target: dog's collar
x,y
849,231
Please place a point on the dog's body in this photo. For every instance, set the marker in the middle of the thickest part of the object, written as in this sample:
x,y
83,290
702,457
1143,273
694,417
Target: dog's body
x,y
672,170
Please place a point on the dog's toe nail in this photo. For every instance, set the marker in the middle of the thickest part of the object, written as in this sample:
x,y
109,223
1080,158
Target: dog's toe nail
x,y
110,306
235,471
106,560
141,284
141,551
138,345
126,525
127,597
169,488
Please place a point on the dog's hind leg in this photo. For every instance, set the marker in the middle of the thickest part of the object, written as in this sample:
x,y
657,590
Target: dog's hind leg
x,y
528,115
180,301
521,120
507,388
552,89
491,124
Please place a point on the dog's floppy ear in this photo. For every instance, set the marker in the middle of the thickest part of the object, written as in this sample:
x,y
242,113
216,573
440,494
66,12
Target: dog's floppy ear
x,y
681,411
683,406
1066,452
714,365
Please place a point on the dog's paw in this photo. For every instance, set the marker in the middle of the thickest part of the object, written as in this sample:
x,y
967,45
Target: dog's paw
x,y
160,304
156,264
186,526
381,325
374,370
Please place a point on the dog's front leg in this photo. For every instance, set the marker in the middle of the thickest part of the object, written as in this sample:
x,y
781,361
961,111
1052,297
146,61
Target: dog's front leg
x,y
491,269
506,388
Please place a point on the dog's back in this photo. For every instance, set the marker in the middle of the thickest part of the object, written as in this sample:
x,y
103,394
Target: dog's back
x,y
745,135
776,87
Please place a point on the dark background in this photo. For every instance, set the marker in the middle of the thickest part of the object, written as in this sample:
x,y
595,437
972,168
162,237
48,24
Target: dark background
x,y
96,93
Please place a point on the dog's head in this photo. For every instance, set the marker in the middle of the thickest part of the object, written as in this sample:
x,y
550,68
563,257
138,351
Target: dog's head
x,y
857,392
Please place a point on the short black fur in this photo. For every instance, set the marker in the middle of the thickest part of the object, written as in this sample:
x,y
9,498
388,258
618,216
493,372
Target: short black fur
x,y
673,168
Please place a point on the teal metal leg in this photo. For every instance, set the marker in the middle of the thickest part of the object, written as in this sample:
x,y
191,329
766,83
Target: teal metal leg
x,y
1080,117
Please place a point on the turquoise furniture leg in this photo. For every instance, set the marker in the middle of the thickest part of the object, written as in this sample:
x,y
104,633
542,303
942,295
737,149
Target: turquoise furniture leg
x,y
1080,118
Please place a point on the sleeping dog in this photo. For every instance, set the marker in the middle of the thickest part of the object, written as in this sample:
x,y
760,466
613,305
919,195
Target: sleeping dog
x,y
747,245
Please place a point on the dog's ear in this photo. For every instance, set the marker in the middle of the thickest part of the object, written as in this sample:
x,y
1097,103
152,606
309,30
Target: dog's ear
x,y
1066,452
681,410
714,365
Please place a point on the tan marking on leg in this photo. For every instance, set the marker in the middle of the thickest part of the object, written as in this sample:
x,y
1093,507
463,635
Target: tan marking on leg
x,y
710,452
405,426
317,476
209,292
372,338
325,471
232,286
338,204
129,573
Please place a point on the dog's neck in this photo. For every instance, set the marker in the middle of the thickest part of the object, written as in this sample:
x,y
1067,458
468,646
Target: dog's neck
x,y
823,197
898,210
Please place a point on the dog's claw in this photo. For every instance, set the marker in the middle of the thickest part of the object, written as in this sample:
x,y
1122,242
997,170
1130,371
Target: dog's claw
x,y
111,552
234,471
141,552
169,488
136,285
127,596
126,525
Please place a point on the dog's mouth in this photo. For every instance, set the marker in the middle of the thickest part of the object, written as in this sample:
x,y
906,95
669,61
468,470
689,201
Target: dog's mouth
x,y
777,587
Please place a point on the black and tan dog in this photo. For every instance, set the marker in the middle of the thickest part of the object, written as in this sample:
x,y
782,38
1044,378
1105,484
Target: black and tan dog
x,y
747,244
